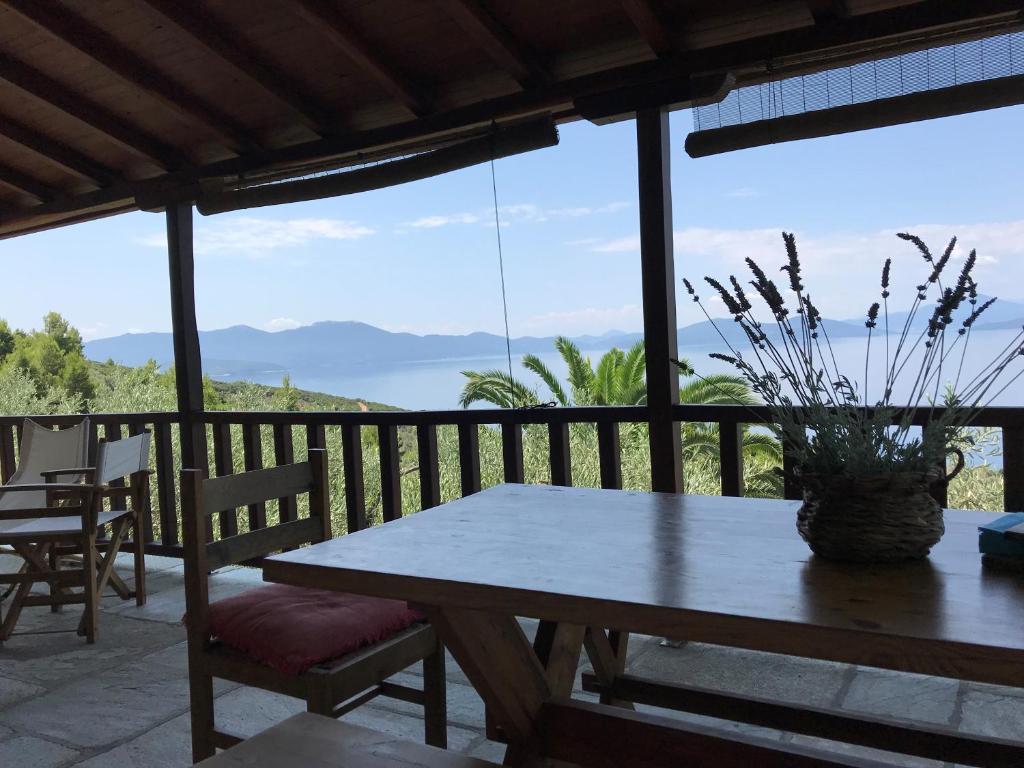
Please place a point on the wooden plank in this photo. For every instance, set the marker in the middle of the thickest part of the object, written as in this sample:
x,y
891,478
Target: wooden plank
x,y
497,42
352,460
603,737
165,484
390,473
559,459
252,451
96,43
8,463
730,455
223,461
609,454
231,46
543,552
512,453
650,27
95,116
188,364
260,485
657,268
469,458
1013,469
316,741
284,453
262,541
330,22
608,655
55,151
26,182
430,473
922,740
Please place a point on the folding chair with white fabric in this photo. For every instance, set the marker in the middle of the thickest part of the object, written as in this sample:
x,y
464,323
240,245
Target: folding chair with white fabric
x,y
50,519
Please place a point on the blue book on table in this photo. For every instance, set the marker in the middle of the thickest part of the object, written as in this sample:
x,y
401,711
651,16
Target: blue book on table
x,y
1004,537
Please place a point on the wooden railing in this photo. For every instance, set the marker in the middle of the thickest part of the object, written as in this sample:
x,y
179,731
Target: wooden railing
x,y
244,441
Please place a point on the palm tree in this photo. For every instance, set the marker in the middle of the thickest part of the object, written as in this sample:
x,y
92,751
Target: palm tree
x,y
620,379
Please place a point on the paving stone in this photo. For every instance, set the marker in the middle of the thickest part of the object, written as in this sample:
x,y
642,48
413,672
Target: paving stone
x,y
167,604
49,659
13,691
5,733
886,758
992,710
168,745
32,752
898,694
111,705
247,711
465,707
770,675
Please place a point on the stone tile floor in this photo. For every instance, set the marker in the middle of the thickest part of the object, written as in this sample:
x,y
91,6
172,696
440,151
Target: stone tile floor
x,y
124,701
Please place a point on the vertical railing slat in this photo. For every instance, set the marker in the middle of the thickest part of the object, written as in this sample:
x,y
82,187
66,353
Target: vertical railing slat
x,y
284,453
730,454
390,473
224,464
469,458
252,450
112,433
316,436
8,462
352,464
165,484
512,453
137,428
558,453
790,486
1013,469
609,454
430,471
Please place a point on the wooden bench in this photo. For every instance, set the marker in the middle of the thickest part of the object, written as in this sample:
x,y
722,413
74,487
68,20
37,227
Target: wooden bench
x,y
315,741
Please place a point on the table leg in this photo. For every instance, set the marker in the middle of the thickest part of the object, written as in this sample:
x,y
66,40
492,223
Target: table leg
x,y
607,654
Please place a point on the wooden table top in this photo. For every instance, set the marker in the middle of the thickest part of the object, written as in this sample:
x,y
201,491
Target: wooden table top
x,y
722,570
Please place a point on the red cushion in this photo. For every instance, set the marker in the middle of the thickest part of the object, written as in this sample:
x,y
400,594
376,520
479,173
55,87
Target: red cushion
x,y
292,628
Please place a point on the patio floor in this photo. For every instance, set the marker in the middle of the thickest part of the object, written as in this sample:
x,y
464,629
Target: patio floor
x,y
124,701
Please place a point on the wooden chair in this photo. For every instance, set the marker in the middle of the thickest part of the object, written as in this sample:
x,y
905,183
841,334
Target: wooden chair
x,y
64,518
241,638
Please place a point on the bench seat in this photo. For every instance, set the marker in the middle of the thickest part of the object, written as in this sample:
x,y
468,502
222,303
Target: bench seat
x,y
315,741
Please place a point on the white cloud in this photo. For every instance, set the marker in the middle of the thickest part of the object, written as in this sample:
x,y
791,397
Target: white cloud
x,y
432,222
281,324
743,192
516,212
255,236
627,317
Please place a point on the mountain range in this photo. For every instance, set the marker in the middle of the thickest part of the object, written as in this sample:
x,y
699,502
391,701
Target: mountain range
x,y
241,350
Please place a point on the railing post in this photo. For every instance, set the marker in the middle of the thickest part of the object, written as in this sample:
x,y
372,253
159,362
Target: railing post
x,y
112,433
7,461
252,450
512,453
609,454
430,471
165,484
137,428
284,453
659,297
469,458
390,473
730,453
558,453
223,464
1013,469
352,466
188,366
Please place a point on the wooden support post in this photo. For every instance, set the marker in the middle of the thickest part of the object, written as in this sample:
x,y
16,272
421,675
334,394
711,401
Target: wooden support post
x,y
1013,469
659,297
469,458
730,452
188,366
512,452
430,473
352,463
609,454
558,453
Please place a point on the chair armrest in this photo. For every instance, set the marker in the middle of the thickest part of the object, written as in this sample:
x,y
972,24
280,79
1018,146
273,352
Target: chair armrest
x,y
70,471
79,487
42,513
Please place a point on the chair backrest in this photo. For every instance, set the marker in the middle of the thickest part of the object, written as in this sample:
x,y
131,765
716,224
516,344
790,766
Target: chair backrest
x,y
122,458
202,498
44,449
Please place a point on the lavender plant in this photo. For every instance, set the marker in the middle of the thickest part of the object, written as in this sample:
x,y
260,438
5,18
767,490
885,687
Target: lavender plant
x,y
819,409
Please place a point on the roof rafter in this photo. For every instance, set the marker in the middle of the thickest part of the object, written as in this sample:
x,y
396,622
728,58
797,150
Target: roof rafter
x,y
55,151
12,177
496,41
226,43
47,89
79,33
330,22
651,29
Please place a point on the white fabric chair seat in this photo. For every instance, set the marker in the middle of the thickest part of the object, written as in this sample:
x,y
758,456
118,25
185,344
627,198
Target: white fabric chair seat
x,y
52,526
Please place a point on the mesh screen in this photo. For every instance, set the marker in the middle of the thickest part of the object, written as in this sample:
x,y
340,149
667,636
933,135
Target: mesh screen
x,y
949,65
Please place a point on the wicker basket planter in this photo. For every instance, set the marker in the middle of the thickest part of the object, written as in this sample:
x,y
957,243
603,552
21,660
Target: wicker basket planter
x,y
878,519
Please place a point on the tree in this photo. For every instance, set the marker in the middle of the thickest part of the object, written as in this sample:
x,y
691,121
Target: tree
x,y
6,340
61,331
287,397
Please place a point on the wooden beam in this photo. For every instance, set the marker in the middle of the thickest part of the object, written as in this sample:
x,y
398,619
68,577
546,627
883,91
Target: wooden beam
x,y
658,287
99,118
497,42
188,365
97,44
650,27
230,46
55,151
827,10
25,182
329,21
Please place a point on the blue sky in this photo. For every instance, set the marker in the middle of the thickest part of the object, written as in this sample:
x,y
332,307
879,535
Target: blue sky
x,y
422,257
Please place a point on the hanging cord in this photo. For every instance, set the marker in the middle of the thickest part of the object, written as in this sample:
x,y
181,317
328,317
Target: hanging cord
x,y
501,271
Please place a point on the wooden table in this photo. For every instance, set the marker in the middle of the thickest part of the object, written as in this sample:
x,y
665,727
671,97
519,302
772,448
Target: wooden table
x,y
719,570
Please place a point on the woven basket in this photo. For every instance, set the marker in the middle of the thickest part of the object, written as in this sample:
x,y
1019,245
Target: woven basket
x,y
877,519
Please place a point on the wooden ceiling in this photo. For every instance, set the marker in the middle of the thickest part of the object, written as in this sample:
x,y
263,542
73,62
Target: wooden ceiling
x,y
104,101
